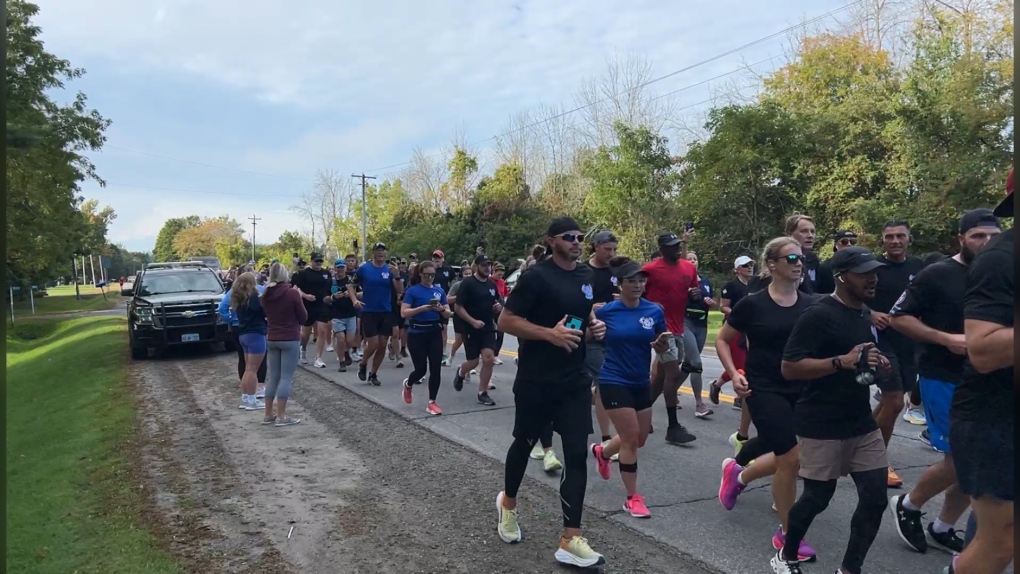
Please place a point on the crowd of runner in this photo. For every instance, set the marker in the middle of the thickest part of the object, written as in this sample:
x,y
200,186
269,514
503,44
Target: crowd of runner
x,y
802,343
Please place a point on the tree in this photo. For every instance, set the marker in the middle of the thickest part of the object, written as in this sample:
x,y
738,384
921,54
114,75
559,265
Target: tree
x,y
164,248
96,224
217,236
45,164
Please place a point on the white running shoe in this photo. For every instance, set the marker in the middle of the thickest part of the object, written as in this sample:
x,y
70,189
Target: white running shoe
x,y
319,364
329,348
304,357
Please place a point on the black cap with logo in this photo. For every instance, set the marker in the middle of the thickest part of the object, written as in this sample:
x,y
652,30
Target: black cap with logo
x,y
668,239
854,260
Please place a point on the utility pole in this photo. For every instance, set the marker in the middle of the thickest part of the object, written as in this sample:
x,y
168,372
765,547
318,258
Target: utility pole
x,y
364,211
254,220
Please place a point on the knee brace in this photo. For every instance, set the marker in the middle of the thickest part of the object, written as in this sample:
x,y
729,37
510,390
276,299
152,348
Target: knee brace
x,y
687,367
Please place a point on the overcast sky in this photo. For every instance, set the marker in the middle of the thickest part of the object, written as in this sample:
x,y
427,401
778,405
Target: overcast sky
x,y
228,107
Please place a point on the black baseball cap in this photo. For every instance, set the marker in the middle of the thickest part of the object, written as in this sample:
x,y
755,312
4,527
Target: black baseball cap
x,y
844,234
317,256
668,239
604,237
978,218
854,260
627,270
379,245
482,259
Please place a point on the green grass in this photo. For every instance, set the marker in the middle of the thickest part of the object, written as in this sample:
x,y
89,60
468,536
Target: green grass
x,y
72,504
714,324
62,300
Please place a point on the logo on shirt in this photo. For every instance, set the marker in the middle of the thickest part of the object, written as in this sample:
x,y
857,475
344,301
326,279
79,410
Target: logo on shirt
x,y
614,281
911,278
492,292
325,275
896,305
588,294
874,333
647,322
385,275
446,273
811,274
436,295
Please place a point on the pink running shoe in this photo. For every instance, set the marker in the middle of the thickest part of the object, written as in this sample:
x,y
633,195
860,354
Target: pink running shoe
x,y
804,552
729,487
406,392
603,463
433,409
635,505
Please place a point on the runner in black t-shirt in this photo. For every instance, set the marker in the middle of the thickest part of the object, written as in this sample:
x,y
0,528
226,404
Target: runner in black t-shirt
x,y
445,276
930,312
981,430
893,279
552,383
343,315
802,228
767,318
838,435
732,292
314,283
478,304
605,288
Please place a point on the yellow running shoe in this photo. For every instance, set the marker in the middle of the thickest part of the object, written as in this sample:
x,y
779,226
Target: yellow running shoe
x,y
576,552
736,444
549,461
507,528
538,453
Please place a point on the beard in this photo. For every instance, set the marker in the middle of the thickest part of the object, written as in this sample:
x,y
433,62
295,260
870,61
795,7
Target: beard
x,y
967,254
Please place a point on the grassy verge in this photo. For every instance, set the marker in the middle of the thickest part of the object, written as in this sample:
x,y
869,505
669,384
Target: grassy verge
x,y
72,505
62,300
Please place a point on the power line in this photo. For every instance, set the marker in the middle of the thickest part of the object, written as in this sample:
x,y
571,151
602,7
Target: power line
x,y
204,192
207,164
364,211
253,219
649,82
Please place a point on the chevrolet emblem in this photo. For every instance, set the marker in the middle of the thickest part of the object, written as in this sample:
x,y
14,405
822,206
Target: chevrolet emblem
x,y
188,314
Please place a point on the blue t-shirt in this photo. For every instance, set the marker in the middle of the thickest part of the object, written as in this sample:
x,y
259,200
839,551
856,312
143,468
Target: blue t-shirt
x,y
228,314
697,311
628,342
376,288
418,295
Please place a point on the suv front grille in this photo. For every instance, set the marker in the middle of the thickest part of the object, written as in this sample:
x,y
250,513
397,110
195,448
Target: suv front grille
x,y
188,315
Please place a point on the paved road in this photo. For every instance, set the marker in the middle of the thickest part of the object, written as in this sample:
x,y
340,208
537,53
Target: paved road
x,y
679,483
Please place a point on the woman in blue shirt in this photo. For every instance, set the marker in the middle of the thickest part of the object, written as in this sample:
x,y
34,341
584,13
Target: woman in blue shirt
x,y
424,307
634,326
230,318
251,328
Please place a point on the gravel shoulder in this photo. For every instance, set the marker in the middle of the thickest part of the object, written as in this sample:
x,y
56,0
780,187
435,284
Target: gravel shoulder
x,y
354,488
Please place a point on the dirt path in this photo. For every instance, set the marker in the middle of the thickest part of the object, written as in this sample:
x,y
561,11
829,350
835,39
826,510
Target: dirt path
x,y
364,490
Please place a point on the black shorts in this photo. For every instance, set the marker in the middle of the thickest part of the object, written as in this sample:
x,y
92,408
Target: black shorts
x,y
567,407
376,324
637,397
475,341
317,314
398,322
772,415
983,455
459,325
903,374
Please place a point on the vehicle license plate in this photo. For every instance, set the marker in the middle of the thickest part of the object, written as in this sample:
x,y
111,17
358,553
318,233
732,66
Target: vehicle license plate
x,y
189,337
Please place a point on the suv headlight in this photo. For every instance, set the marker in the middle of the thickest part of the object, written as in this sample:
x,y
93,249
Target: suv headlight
x,y
144,314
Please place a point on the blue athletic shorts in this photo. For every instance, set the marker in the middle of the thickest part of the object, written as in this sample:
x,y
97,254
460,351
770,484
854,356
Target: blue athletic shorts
x,y
938,396
348,325
253,343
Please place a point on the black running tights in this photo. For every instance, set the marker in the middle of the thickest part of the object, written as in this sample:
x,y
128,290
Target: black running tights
x,y
546,437
573,481
871,502
240,359
751,450
426,350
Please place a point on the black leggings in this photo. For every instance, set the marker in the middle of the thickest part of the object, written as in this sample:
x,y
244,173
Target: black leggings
x,y
573,481
752,449
499,343
240,359
426,350
871,502
546,437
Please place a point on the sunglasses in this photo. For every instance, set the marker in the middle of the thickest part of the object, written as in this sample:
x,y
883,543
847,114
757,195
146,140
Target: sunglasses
x,y
571,237
793,258
747,265
317,260
428,274
847,241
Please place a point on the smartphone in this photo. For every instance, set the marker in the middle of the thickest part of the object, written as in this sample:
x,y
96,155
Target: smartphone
x,y
334,290
434,302
688,226
574,323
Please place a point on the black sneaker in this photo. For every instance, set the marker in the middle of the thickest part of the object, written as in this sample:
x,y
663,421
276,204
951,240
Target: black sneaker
x,y
485,400
373,380
713,391
403,353
908,524
348,361
363,371
925,437
342,368
679,435
458,381
949,541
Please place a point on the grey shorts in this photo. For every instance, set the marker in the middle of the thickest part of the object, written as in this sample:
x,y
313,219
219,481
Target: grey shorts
x,y
348,325
831,459
595,355
675,352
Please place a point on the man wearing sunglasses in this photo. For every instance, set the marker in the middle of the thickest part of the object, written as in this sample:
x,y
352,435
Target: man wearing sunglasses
x,y
824,283
315,283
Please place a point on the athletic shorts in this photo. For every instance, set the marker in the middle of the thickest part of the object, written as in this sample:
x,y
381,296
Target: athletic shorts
x,y
317,313
475,341
903,375
831,459
675,352
347,325
938,396
459,325
772,415
398,322
983,455
253,343
595,355
541,403
376,324
637,397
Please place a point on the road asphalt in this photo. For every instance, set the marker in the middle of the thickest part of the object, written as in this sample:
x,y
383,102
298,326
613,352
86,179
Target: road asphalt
x,y
680,484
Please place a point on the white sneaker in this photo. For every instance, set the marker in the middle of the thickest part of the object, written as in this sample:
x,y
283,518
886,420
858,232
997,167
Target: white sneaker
x,y
538,453
506,526
319,364
304,357
260,394
915,416
329,348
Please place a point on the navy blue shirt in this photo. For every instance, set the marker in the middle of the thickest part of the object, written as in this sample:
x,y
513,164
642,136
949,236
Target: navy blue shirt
x,y
251,318
697,311
418,295
376,288
630,332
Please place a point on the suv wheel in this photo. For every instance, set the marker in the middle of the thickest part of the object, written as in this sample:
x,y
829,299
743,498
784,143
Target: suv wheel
x,y
139,353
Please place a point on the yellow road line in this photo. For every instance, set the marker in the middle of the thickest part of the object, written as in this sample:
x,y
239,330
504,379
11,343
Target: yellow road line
x,y
683,390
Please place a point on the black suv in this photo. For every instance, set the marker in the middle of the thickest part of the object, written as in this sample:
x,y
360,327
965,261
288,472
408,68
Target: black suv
x,y
175,304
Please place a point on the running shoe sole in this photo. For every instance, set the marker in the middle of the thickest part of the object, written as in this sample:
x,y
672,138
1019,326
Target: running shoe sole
x,y
499,515
564,557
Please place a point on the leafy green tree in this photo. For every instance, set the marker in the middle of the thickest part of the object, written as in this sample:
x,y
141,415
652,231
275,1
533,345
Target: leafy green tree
x,y
164,249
